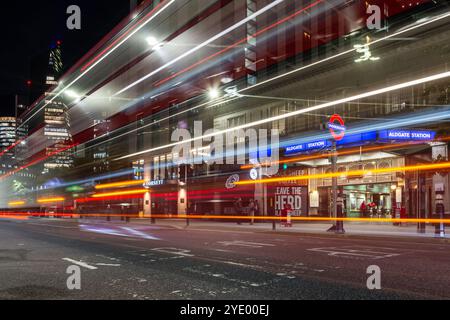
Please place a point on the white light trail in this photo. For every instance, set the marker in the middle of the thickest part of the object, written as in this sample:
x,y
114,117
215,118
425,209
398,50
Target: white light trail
x,y
205,43
446,15
389,37
100,60
220,100
305,110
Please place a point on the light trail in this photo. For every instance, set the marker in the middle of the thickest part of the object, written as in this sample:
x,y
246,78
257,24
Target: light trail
x,y
435,166
119,184
205,43
12,217
16,203
120,193
126,34
150,18
438,18
12,146
221,100
234,45
51,200
36,161
231,217
364,95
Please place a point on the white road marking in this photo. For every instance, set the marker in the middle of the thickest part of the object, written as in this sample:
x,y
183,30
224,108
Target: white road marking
x,y
108,264
351,252
222,250
241,264
175,251
245,244
80,263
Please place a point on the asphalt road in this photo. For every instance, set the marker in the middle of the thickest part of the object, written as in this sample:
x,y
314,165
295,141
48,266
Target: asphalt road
x,y
135,261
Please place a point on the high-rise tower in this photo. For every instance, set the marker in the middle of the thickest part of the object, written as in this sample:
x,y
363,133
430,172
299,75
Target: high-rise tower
x,y
56,118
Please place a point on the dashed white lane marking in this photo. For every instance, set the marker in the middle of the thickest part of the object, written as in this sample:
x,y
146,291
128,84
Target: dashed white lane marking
x,y
80,263
175,251
241,264
107,264
245,244
222,250
355,252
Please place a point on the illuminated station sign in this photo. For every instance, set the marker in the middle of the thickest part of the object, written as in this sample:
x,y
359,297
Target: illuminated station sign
x,y
363,138
410,135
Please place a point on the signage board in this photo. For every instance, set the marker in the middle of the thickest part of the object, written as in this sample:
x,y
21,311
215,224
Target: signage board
x,y
295,196
407,135
153,183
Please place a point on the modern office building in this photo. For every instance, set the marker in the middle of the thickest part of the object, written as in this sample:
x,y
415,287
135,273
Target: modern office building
x,y
56,118
7,138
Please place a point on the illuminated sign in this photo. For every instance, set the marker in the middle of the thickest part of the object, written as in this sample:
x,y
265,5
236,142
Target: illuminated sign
x,y
254,174
231,181
309,146
337,130
411,135
153,183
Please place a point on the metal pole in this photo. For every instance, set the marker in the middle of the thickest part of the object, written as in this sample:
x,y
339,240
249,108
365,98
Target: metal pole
x,y
334,180
186,193
334,187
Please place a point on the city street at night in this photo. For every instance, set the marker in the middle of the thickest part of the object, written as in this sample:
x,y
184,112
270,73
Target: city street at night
x,y
224,159
202,262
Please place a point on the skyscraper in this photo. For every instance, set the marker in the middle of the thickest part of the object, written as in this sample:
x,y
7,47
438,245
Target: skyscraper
x,y
56,118
7,136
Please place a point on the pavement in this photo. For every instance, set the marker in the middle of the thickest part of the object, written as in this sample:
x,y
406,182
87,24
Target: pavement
x,y
213,261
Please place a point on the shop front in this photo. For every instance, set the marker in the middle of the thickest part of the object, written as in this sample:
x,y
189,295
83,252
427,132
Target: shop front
x,y
367,195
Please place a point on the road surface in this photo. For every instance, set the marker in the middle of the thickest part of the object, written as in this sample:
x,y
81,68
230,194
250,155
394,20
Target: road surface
x,y
143,261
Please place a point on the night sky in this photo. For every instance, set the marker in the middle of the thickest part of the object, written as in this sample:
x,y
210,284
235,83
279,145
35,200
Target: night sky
x,y
29,27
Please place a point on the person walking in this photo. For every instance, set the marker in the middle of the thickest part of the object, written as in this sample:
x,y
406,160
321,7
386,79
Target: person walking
x,y
251,211
238,209
363,209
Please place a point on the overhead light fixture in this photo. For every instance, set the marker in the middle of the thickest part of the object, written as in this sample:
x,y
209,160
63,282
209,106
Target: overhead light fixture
x,y
213,93
72,94
152,41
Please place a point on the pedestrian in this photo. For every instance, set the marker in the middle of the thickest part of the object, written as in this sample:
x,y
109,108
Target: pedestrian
x,y
363,209
238,209
251,211
257,209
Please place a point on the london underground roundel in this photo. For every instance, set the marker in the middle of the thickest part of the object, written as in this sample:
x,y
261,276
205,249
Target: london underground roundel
x,y
337,127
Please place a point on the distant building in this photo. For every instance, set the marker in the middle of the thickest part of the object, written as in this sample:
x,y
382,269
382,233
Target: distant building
x,y
56,118
7,138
